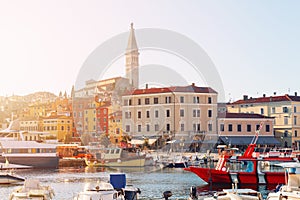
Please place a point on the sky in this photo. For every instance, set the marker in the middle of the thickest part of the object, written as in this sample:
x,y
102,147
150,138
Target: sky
x,y
254,45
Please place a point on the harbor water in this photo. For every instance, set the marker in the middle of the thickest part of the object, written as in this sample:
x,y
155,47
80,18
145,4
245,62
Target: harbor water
x,y
152,182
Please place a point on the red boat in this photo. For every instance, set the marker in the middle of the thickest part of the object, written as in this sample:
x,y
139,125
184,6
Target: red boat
x,y
245,169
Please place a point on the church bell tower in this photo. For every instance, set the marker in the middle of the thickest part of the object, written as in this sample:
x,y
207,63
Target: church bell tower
x,y
132,60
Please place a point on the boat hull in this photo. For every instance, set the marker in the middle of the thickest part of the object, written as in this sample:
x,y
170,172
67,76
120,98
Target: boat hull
x,y
211,175
127,163
34,161
10,179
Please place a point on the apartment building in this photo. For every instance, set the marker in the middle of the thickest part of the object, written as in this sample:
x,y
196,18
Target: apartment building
x,y
286,112
241,129
181,111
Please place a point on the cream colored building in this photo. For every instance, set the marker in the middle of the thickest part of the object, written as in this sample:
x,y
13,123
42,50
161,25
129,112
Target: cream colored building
x,y
181,111
285,110
240,129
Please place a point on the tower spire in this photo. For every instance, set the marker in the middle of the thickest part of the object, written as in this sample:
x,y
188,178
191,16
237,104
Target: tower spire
x,y
132,59
131,46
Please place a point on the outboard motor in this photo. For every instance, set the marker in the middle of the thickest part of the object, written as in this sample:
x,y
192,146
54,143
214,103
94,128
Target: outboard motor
x,y
131,193
167,194
193,193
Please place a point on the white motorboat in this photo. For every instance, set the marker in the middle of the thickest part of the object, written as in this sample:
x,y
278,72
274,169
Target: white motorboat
x,y
115,189
32,190
102,190
291,190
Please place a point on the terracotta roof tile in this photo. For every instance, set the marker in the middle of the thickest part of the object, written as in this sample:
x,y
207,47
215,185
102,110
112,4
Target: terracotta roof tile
x,y
267,99
187,89
244,115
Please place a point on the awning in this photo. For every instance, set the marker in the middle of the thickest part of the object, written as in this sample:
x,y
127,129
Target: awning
x,y
245,140
135,141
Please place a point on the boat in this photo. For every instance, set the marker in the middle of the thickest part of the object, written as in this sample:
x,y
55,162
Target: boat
x,y
102,190
29,153
117,157
8,175
291,189
115,189
236,194
246,168
32,190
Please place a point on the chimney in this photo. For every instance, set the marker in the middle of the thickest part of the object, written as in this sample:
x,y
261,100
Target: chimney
x,y
146,85
245,97
193,84
264,95
274,93
295,93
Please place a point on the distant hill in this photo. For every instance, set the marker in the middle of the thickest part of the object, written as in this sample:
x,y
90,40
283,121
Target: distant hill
x,y
34,97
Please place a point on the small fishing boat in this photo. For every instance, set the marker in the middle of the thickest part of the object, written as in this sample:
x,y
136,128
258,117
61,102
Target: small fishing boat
x,y
117,157
32,190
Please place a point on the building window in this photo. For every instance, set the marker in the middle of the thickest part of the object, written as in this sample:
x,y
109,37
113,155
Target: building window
x,y
181,112
168,127
222,127
147,114
296,133
295,120
127,128
257,127
139,114
127,115
285,109
209,127
196,127
239,128
155,100
168,99
295,109
126,102
129,102
267,128
196,113
209,100
148,127
139,128
181,99
156,127
168,113
261,111
156,114
286,120
181,127
273,110
230,127
139,101
147,101
248,127
196,100
209,113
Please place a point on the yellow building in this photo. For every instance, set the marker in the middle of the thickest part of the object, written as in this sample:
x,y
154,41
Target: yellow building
x,y
58,126
285,109
115,127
